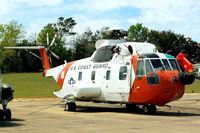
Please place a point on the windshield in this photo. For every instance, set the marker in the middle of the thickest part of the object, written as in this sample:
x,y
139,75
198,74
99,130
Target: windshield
x,y
103,54
157,64
166,64
174,64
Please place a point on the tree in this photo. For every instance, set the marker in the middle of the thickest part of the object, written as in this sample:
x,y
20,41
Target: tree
x,y
166,41
138,33
84,44
10,35
29,62
64,27
59,31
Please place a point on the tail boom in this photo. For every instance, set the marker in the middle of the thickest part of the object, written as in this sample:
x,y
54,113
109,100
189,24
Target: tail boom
x,y
45,60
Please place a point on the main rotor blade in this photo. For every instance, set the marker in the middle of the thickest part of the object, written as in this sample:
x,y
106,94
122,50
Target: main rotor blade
x,y
47,39
25,47
52,42
33,54
55,55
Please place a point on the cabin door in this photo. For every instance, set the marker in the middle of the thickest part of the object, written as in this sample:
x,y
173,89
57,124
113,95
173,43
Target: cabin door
x,y
117,82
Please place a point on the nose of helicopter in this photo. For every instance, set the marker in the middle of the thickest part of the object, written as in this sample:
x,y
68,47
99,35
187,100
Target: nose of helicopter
x,y
172,85
186,78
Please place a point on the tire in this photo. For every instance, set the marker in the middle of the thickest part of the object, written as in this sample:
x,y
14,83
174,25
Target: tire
x,y
146,109
153,109
1,114
8,114
149,109
71,106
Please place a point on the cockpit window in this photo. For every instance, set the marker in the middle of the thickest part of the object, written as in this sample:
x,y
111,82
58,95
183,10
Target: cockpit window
x,y
149,68
166,64
157,65
174,64
140,68
103,54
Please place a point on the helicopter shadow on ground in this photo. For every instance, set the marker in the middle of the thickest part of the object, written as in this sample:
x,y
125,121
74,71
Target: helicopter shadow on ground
x,y
11,123
173,112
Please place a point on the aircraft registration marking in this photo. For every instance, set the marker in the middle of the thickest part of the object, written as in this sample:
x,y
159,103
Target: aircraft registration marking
x,y
89,66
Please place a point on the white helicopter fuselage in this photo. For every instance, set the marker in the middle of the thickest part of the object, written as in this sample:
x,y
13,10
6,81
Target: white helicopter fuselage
x,y
131,73
107,80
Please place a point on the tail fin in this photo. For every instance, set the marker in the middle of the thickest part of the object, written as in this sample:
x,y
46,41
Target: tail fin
x,y
184,62
43,55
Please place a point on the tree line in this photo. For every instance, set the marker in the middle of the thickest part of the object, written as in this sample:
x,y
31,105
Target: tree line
x,y
70,46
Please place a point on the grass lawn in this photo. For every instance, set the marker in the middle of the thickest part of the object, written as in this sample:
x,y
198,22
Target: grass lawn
x,y
193,88
29,85
34,85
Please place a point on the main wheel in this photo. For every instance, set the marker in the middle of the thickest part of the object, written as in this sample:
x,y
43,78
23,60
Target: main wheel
x,y
71,106
1,114
8,114
149,109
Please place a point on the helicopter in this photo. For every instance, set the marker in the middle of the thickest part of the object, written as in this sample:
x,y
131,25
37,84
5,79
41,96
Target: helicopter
x,y
132,73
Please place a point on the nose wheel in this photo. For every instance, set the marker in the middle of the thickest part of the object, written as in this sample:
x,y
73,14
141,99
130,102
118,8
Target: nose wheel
x,y
149,109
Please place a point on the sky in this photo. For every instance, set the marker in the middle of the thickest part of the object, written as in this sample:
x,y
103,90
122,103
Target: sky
x,y
180,16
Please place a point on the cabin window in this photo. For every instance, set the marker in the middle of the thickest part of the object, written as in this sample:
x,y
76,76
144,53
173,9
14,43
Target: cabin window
x,y
93,75
123,73
166,64
108,74
174,64
140,68
103,54
80,76
157,65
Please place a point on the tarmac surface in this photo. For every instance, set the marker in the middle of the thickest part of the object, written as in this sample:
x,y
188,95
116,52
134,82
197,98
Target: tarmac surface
x,y
48,115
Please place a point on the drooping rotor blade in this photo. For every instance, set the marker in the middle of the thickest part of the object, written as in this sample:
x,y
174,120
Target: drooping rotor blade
x,y
25,47
47,39
52,42
33,54
55,55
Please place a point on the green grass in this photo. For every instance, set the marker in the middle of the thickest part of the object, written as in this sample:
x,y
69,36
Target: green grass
x,y
30,85
34,85
193,88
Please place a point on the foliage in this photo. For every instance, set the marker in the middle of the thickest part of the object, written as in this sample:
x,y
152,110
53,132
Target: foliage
x,y
64,27
10,35
138,33
84,44
59,31
166,41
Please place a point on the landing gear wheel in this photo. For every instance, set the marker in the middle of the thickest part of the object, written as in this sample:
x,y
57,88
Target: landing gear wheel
x,y
71,106
8,114
1,114
149,109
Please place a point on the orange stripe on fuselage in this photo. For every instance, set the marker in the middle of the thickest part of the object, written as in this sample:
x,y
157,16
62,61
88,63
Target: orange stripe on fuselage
x,y
134,59
63,74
